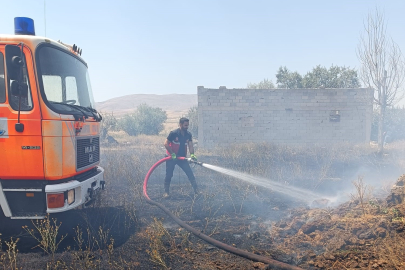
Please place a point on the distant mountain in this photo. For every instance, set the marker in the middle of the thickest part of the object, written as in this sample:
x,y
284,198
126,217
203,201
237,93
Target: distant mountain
x,y
173,103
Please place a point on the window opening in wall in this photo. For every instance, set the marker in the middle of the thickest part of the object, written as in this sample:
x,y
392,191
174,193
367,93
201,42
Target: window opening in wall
x,y
334,116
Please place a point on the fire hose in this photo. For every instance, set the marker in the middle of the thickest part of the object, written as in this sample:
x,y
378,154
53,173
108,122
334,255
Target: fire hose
x,y
245,254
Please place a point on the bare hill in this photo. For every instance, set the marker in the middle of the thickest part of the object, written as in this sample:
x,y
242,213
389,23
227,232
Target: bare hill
x,y
173,103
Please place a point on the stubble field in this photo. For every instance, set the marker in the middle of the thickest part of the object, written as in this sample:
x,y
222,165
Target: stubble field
x,y
122,231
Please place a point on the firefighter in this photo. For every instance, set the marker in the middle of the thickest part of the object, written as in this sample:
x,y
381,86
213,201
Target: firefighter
x,y
176,146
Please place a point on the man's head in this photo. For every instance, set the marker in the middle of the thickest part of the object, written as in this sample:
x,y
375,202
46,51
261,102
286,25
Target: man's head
x,y
183,123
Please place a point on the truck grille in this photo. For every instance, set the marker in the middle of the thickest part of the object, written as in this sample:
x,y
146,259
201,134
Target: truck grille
x,y
87,152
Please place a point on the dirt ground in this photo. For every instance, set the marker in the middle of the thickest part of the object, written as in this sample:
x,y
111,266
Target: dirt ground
x,y
122,231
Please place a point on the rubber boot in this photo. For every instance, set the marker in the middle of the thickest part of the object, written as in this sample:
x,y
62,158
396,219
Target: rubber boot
x,y
166,195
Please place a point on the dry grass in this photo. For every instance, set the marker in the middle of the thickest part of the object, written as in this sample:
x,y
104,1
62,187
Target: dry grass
x,y
9,259
226,205
143,142
361,192
46,233
157,236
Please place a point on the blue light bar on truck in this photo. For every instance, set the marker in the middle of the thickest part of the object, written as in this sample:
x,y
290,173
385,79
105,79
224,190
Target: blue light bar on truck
x,y
24,26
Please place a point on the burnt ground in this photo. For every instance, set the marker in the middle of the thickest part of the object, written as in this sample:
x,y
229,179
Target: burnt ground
x,y
122,231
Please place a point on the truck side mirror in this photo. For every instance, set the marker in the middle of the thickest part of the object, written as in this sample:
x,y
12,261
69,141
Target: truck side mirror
x,y
19,89
15,65
14,62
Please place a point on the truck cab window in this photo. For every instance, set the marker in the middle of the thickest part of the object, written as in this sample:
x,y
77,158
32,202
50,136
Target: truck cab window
x,y
58,89
26,102
53,87
2,82
71,89
65,83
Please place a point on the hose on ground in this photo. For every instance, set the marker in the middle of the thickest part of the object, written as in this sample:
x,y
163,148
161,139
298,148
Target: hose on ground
x,y
245,254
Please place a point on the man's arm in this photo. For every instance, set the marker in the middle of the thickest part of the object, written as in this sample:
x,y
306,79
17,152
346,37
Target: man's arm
x,y
167,146
191,147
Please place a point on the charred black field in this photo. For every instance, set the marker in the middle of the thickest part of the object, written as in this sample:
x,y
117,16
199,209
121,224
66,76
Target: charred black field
x,y
361,229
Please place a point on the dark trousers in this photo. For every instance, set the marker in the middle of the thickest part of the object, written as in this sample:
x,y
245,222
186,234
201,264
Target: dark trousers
x,y
183,164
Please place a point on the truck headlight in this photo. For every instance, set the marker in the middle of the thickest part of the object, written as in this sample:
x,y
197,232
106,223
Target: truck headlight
x,y
71,196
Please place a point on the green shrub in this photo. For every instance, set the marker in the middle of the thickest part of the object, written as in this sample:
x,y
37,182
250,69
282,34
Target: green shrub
x,y
128,124
146,120
109,123
192,115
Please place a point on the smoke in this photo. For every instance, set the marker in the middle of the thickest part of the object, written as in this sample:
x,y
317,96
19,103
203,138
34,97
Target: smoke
x,y
379,180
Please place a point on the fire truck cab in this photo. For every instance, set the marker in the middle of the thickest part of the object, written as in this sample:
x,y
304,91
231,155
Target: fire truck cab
x,y
49,127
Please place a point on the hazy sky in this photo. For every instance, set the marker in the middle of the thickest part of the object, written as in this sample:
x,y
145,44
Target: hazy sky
x,y
164,47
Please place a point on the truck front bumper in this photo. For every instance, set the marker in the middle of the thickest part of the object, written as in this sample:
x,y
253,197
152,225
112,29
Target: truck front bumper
x,y
83,191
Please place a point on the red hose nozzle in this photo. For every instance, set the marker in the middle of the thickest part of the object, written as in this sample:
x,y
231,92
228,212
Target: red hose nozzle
x,y
194,161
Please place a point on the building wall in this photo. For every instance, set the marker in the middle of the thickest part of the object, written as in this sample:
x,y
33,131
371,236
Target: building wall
x,y
285,116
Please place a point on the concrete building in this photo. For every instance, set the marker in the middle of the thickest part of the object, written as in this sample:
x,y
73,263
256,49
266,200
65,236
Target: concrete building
x,y
284,116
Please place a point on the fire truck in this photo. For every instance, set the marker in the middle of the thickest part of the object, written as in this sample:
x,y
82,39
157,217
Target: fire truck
x,y
49,127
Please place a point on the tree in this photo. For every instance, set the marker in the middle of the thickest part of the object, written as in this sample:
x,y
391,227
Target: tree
x,y
287,79
265,84
382,67
150,120
128,124
319,77
109,123
192,115
334,77
146,120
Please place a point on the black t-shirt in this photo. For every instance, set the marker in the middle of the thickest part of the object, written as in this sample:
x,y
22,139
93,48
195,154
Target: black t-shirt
x,y
179,142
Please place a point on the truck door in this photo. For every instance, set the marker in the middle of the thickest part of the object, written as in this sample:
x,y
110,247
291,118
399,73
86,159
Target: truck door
x,y
20,152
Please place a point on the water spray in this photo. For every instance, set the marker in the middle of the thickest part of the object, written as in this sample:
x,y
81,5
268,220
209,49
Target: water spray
x,y
245,254
311,198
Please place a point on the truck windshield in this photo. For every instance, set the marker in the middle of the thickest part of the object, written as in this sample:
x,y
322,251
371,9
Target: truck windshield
x,y
64,80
